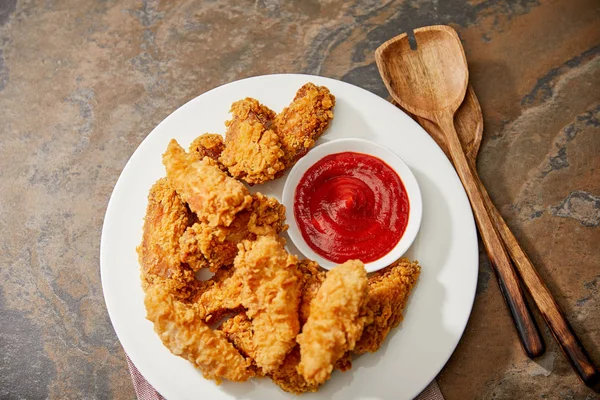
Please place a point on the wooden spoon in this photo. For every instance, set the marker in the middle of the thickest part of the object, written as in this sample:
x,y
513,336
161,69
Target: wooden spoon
x,y
469,126
431,82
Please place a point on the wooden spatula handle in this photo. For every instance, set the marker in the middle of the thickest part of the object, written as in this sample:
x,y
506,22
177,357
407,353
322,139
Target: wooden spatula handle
x,y
555,318
528,331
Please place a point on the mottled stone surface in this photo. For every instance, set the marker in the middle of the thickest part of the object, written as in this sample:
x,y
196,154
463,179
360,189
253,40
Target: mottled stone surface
x,y
83,82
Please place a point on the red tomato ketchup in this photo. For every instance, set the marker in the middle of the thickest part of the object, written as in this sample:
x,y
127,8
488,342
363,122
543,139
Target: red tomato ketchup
x,y
351,206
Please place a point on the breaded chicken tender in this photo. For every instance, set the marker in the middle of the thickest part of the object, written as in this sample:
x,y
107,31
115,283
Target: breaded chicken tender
x,y
335,323
265,281
252,151
301,123
271,295
213,196
187,336
389,290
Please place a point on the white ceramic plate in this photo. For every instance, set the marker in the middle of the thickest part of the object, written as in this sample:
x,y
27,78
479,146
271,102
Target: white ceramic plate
x,y
446,248
409,181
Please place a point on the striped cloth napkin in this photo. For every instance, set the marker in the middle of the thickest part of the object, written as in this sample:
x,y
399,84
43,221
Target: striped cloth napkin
x,y
145,391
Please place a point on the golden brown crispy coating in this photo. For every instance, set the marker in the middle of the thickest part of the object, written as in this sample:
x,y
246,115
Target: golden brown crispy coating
x,y
252,151
301,123
186,335
238,331
288,378
335,323
271,294
182,284
205,246
266,281
389,290
267,215
215,197
312,278
345,363
221,298
208,145
166,219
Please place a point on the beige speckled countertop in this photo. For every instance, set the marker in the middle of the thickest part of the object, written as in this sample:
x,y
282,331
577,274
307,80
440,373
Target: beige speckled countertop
x,y
83,82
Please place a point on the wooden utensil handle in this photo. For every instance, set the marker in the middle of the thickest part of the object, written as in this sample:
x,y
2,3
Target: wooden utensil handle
x,y
555,318
527,328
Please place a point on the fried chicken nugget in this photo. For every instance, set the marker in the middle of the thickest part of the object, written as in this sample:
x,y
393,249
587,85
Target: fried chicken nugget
x,y
389,290
215,197
187,336
252,151
213,247
301,123
335,322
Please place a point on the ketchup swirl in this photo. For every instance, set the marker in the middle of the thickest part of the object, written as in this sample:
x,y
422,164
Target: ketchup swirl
x,y
351,206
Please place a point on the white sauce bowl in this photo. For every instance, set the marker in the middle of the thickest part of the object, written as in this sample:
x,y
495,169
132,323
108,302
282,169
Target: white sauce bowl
x,y
357,146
